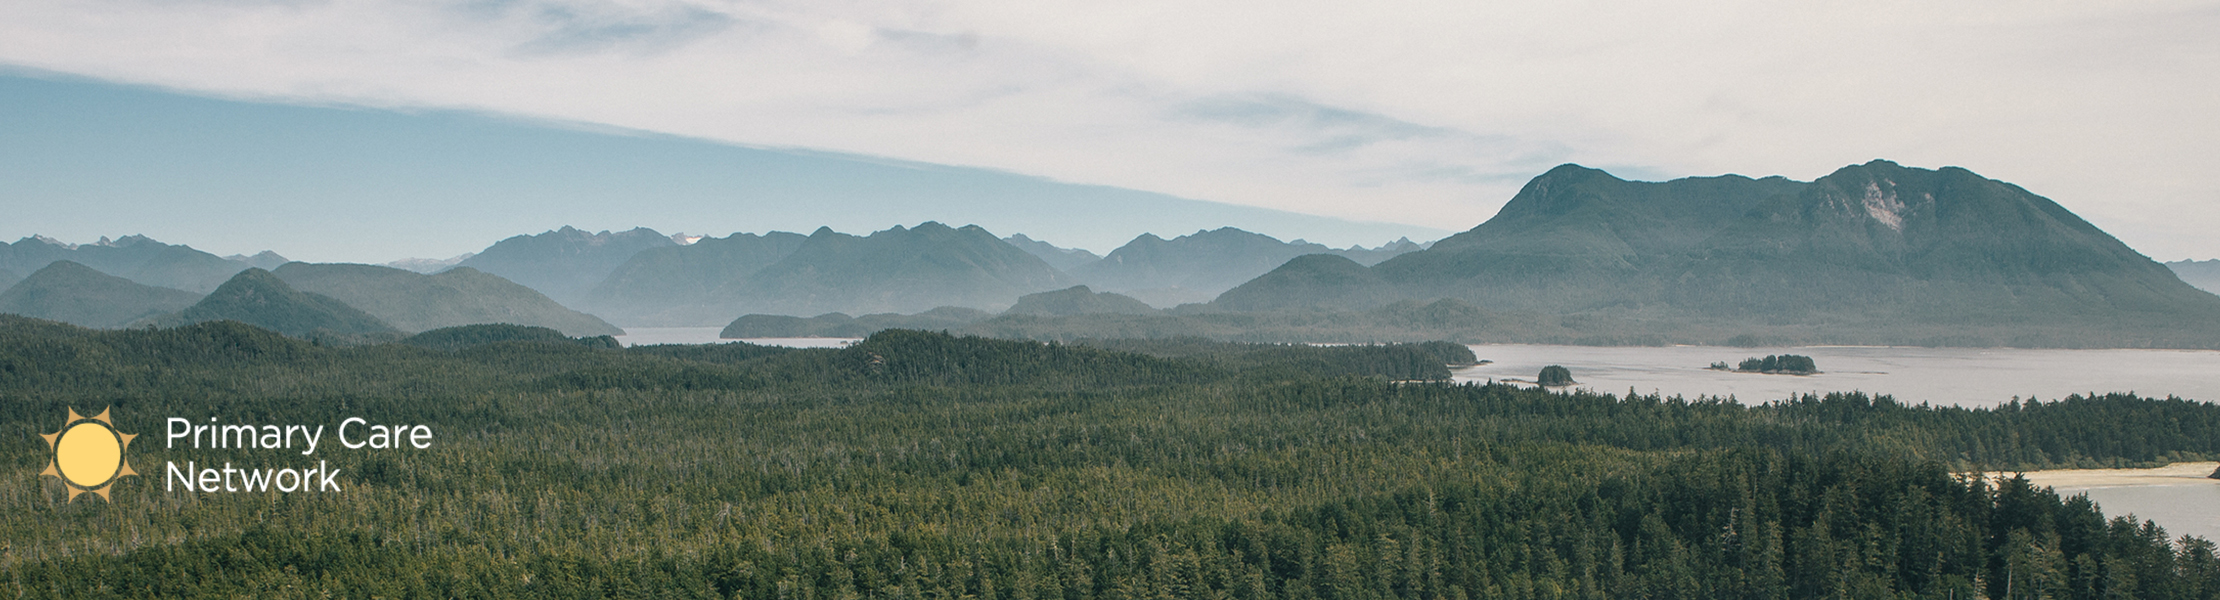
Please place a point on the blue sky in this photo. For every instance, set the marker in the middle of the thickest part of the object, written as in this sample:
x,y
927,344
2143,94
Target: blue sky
x,y
1425,114
88,159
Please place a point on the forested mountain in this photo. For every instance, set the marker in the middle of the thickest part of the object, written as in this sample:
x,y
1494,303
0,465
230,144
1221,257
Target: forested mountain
x,y
8,278
923,465
76,294
1079,300
896,270
1064,259
565,263
1199,266
413,302
672,285
1902,254
133,257
2203,274
1311,281
256,297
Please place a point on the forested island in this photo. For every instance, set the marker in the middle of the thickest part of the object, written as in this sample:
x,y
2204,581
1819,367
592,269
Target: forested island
x,y
917,464
1773,364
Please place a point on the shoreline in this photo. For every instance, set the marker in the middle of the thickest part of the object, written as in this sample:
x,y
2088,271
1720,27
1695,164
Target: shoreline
x,y
2188,473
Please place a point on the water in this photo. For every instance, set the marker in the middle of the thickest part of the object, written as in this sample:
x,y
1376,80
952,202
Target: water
x,y
641,336
1953,376
2192,509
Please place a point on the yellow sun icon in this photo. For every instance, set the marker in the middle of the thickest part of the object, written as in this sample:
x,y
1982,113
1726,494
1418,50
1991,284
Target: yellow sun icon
x,y
88,454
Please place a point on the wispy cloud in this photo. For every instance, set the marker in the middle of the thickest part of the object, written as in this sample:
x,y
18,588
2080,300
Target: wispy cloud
x,y
1427,112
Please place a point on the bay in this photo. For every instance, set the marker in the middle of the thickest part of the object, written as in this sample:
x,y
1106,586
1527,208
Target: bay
x,y
1943,376
2181,497
647,336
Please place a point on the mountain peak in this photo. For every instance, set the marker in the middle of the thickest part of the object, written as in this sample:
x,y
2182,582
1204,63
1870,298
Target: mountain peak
x,y
1574,172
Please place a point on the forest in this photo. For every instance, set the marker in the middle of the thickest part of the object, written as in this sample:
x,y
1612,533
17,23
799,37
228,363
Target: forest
x,y
926,465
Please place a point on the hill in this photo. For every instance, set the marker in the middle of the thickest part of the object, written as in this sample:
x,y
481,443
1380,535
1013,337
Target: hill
x,y
256,297
565,263
840,325
2204,274
896,270
135,257
1078,300
1310,281
1064,259
672,285
1872,253
79,295
1199,266
413,302
466,336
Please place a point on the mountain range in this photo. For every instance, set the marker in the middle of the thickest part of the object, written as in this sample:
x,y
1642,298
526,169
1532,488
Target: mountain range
x,y
79,295
65,290
911,269
896,270
135,257
1872,253
1199,266
689,284
2204,274
565,263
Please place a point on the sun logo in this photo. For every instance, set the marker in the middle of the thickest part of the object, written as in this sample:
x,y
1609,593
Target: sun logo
x,y
88,454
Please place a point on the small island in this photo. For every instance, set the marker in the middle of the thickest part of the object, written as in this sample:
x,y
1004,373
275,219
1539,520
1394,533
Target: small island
x,y
1775,364
1554,376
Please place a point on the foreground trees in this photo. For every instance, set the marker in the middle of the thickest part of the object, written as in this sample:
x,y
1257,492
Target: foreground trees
x,y
924,465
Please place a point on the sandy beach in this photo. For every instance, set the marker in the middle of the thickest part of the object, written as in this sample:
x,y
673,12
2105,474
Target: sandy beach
x,y
2194,473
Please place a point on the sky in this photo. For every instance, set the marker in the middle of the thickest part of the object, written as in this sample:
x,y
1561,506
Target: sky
x,y
1423,114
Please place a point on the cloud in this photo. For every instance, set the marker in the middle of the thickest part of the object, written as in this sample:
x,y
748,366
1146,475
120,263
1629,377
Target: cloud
x,y
1428,113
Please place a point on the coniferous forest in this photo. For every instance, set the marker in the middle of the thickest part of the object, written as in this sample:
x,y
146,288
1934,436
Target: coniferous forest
x,y
924,465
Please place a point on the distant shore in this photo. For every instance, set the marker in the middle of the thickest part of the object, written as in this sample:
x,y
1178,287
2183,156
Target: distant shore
x,y
2188,473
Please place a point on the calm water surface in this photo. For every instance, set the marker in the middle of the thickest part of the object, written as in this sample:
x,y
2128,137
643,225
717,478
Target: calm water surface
x,y
2181,509
640,336
1956,376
